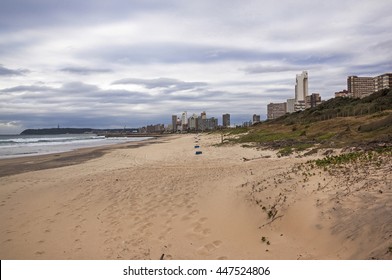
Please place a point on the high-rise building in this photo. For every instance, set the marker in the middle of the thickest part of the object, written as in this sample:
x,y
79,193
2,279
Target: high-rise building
x,y
313,100
207,124
276,110
256,119
174,123
193,123
301,87
226,120
184,121
203,115
383,81
359,87
179,126
290,105
184,118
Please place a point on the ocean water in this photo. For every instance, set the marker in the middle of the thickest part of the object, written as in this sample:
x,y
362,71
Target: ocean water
x,y
26,145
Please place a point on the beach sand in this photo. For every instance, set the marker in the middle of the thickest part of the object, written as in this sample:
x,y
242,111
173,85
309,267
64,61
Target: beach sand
x,y
160,200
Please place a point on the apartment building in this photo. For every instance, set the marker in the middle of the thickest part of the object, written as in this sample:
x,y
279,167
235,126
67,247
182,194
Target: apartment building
x,y
193,123
276,110
174,123
359,87
313,100
256,119
207,124
383,81
226,120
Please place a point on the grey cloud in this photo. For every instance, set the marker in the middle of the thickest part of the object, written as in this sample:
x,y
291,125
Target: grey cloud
x,y
10,72
77,94
317,57
259,69
175,52
85,70
332,39
370,69
171,85
298,61
19,14
88,105
148,83
181,53
78,87
384,46
30,88
67,119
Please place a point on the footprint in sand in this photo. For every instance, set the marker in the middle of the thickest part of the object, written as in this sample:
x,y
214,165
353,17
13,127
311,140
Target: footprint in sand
x,y
198,230
209,248
151,216
197,227
190,215
191,205
163,234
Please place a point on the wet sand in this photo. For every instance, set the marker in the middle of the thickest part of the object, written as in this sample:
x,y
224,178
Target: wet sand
x,y
19,165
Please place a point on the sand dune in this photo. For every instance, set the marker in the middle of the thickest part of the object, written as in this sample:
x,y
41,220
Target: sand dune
x,y
163,200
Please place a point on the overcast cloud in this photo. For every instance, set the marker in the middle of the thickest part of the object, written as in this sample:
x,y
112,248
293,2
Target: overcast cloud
x,y
117,63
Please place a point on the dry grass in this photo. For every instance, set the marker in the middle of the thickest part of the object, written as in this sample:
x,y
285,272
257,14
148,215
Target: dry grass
x,y
337,132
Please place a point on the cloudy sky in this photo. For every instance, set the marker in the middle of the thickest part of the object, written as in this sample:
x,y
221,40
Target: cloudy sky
x,y
96,63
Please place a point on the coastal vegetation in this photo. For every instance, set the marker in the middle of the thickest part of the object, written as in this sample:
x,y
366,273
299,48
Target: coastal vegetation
x,y
337,123
360,156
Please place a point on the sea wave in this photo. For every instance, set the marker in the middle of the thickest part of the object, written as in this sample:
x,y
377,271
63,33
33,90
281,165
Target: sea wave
x,y
12,140
22,145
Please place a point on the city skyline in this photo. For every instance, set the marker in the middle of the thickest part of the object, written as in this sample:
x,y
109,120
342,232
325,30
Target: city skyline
x,y
103,64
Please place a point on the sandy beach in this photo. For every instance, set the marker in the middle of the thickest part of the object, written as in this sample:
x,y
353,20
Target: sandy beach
x,y
158,200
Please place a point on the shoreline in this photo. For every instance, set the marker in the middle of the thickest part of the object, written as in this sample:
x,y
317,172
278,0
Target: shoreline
x,y
22,164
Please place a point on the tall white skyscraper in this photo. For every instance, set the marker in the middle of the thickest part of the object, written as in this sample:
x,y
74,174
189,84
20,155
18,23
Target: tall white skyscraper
x,y
301,86
301,91
184,118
